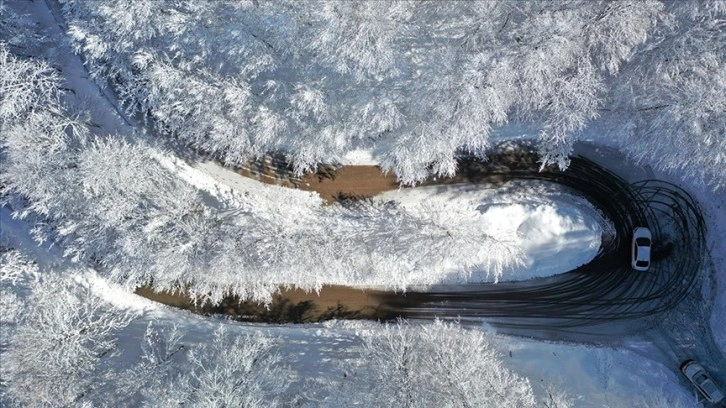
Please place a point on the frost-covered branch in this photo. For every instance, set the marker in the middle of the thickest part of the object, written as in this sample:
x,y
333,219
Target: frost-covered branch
x,y
62,338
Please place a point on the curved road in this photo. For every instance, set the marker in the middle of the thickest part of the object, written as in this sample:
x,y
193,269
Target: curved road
x,y
606,289
600,302
578,305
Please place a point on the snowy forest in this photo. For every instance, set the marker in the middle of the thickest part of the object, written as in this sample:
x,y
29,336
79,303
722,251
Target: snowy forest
x,y
88,368
416,83
191,76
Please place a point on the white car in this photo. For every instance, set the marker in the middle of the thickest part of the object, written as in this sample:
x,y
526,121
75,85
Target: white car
x,y
703,382
640,259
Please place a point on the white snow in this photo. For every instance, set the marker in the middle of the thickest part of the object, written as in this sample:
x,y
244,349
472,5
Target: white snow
x,y
114,294
554,238
360,157
555,231
597,376
217,178
229,187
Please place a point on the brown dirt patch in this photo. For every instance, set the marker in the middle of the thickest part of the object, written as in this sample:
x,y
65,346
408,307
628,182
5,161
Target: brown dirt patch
x,y
347,182
289,305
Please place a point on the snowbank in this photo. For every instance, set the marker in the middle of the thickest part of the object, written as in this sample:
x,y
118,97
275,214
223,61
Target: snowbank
x,y
554,230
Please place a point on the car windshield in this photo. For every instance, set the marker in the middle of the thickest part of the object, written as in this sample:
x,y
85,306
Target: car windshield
x,y
642,263
642,241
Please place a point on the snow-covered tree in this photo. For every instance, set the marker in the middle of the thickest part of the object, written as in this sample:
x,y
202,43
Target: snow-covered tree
x,y
416,81
438,364
452,71
225,371
668,108
118,204
37,136
124,192
25,84
151,380
16,271
62,338
16,268
61,350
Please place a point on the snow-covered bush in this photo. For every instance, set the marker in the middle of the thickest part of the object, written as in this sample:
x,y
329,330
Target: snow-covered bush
x,y
223,370
439,364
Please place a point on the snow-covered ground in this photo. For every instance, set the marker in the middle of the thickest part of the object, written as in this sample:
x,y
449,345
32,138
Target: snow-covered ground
x,y
556,232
